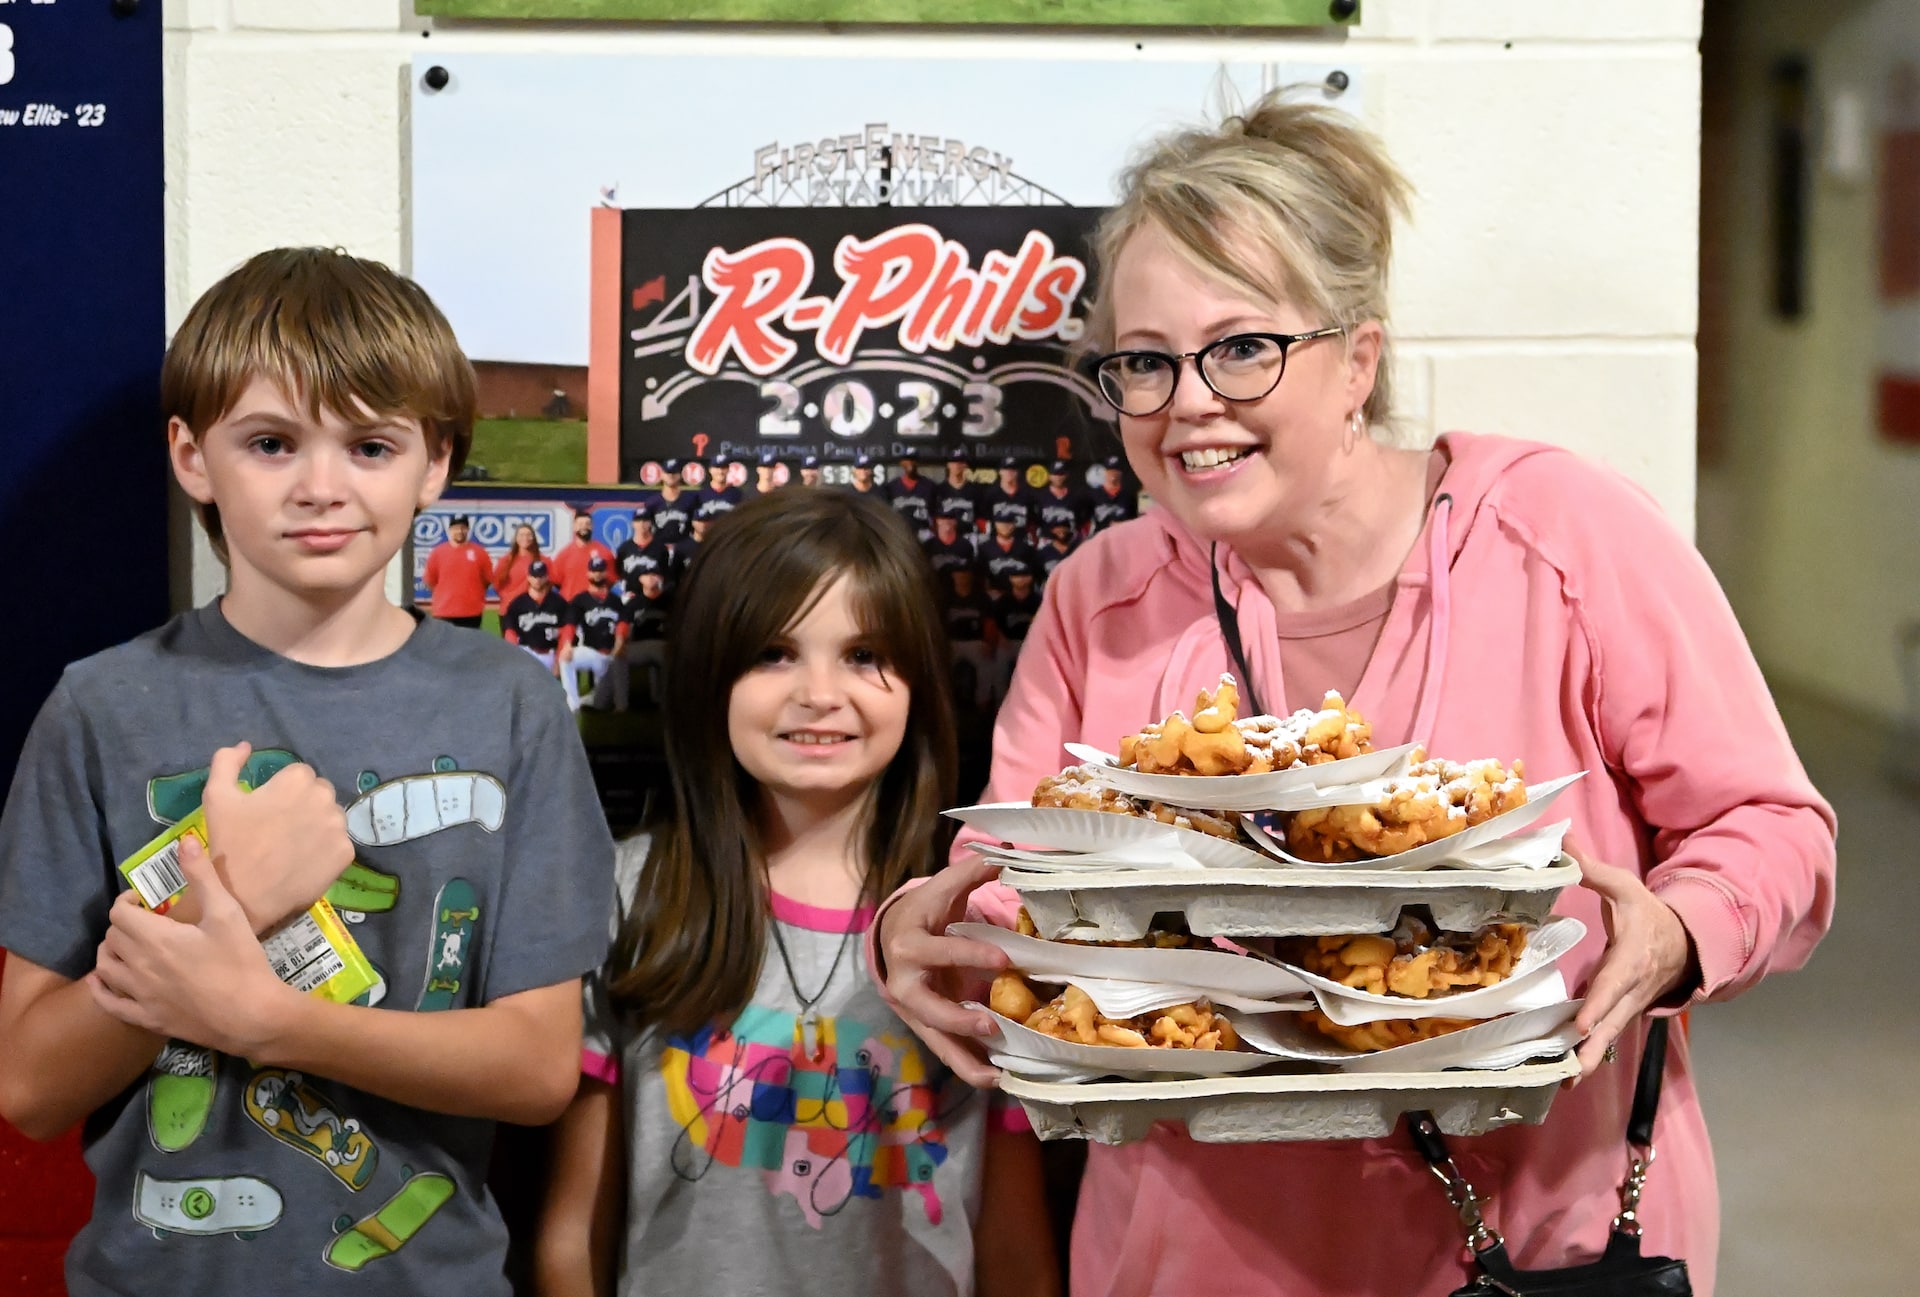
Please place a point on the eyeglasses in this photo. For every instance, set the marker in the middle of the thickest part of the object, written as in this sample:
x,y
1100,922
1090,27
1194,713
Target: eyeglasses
x,y
1239,367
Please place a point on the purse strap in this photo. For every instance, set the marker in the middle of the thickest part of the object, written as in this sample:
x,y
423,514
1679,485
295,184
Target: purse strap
x,y
1484,1241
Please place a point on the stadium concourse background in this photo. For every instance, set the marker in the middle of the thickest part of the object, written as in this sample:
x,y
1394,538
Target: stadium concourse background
x,y
1546,288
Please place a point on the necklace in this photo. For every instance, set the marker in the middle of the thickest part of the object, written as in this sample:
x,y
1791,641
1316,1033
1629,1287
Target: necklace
x,y
807,1027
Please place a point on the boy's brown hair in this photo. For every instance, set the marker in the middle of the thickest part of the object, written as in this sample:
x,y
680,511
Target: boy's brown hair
x,y
338,332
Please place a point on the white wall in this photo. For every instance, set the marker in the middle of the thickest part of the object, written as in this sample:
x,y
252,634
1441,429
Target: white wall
x,y
1545,289
1814,523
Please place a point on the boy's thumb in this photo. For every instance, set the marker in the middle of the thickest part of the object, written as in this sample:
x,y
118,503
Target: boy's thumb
x,y
202,877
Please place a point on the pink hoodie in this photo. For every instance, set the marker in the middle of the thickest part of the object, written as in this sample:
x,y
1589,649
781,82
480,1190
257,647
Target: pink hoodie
x,y
1571,626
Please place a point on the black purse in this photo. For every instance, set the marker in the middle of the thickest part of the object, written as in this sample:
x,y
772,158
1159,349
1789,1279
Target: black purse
x,y
1621,1271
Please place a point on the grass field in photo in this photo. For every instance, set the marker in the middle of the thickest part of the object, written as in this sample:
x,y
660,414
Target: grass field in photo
x,y
531,451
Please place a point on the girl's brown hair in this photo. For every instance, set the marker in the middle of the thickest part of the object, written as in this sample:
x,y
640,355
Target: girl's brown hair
x,y
691,945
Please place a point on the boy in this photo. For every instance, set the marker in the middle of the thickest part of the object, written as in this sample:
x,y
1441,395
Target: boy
x,y
246,1137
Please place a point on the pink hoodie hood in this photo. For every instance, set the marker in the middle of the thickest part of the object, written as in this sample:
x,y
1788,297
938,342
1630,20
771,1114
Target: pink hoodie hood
x,y
1548,612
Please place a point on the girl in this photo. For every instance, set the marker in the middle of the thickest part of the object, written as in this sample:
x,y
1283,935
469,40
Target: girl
x,y
510,573
770,1124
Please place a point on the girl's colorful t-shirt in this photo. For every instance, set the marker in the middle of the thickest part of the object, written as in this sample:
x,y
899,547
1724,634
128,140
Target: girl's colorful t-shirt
x,y
771,1154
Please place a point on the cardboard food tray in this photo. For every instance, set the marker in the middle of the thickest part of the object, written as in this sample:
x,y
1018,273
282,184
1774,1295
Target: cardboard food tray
x,y
1287,1106
1119,905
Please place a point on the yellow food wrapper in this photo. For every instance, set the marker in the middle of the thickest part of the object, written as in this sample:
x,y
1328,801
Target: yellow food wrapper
x,y
312,952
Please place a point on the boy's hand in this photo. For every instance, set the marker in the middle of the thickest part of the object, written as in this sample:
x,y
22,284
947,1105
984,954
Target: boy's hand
x,y
278,847
207,981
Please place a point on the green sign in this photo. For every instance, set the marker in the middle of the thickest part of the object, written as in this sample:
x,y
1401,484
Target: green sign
x,y
1055,13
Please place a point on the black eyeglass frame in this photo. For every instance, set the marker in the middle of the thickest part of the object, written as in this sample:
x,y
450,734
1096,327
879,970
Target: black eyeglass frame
x,y
1287,342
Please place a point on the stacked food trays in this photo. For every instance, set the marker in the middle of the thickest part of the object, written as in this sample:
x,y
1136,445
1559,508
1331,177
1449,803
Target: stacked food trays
x,y
1264,929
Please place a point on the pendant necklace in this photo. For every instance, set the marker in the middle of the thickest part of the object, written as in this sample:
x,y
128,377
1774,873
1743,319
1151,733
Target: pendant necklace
x,y
806,1028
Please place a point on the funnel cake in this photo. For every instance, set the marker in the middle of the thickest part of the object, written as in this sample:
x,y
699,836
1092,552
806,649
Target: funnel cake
x,y
1071,1016
1434,799
1080,788
1217,742
1411,961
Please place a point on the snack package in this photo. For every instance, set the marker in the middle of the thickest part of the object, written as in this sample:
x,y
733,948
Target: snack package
x,y
312,952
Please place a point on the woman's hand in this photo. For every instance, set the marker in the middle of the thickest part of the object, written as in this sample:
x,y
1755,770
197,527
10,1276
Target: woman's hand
x,y
207,982
1648,954
924,967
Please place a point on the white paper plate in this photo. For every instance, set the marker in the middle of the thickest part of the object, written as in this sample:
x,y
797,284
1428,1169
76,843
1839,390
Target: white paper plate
x,y
1102,832
1468,849
1507,1041
1528,987
1118,998
1016,1048
1139,855
1213,972
1278,790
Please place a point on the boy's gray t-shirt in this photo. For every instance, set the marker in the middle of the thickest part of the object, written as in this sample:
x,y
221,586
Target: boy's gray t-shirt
x,y
755,1167
483,867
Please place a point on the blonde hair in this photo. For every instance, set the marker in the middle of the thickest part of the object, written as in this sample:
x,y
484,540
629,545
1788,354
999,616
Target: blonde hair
x,y
1304,184
338,332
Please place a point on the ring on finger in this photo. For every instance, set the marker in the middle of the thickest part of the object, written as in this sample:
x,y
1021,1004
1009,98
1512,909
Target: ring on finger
x,y
1608,1054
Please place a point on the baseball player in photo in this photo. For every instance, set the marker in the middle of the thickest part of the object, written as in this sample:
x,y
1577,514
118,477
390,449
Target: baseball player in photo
x,y
810,471
1013,614
1113,502
1061,503
569,566
912,496
647,607
1004,553
718,495
766,474
458,573
949,548
958,497
863,473
1052,552
594,641
1009,500
643,551
535,617
673,509
971,633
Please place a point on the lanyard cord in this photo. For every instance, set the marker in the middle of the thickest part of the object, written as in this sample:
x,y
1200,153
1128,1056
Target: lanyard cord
x,y
1230,631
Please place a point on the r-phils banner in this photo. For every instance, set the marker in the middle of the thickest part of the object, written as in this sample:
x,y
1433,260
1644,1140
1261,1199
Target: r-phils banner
x,y
832,332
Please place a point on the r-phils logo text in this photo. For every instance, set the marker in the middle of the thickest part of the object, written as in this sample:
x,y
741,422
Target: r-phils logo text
x,y
910,274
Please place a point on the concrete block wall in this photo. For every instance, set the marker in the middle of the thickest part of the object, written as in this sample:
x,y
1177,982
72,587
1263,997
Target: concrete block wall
x,y
1545,288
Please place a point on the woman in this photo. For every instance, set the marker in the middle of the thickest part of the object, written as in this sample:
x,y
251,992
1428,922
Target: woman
x,y
510,573
1491,597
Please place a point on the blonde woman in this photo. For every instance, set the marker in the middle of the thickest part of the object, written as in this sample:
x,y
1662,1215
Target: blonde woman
x,y
1486,595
